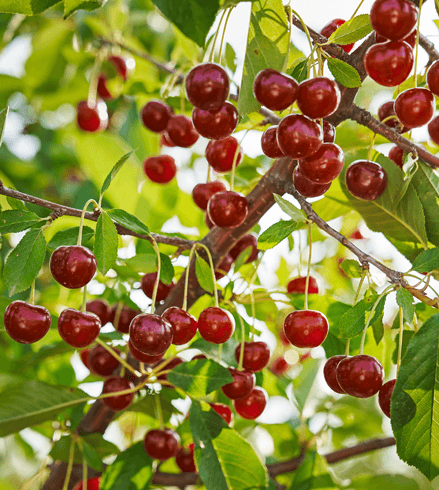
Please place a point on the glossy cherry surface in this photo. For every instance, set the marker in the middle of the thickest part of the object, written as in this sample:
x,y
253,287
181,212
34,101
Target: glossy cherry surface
x,y
318,97
216,325
216,125
306,187
279,366
256,356
433,130
207,220
298,285
328,132
101,361
114,384
160,169
242,385
101,308
386,110
306,328
77,328
227,209
242,244
298,136
366,180
274,90
331,27
73,266
155,115
147,286
184,326
126,315
330,373
185,459
224,267
252,406
207,86
141,357
360,376
269,144
102,89
150,334
397,155
201,193
393,19
324,165
221,153
224,411
92,484
410,39
385,396
433,78
181,131
166,141
26,323
92,118
85,357
123,65
415,107
282,337
161,444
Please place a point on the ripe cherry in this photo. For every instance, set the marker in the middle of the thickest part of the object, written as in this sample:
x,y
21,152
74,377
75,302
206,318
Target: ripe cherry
x,y
221,153
282,337
102,362
298,136
318,97
114,384
415,107
224,411
279,366
386,110
328,132
433,130
332,27
165,141
227,209
160,169
77,328
185,459
201,193
161,444
92,118
330,373
198,356
256,356
298,286
216,325
126,315
393,19
397,155
141,357
306,328
274,90
433,78
147,286
216,125
410,39
366,180
242,385
73,266
92,484
356,235
224,267
184,326
100,308
85,357
102,89
123,65
26,323
270,146
324,165
156,115
385,396
242,244
181,131
252,406
306,187
360,376
207,86
209,223
150,334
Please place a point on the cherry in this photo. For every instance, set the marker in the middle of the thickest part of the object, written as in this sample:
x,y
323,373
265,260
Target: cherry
x,y
356,235
224,411
279,366
122,65
433,130
150,334
161,444
184,326
360,376
393,19
318,97
270,146
252,406
323,166
306,328
328,132
73,266
92,118
282,337
77,328
256,356
209,223
242,244
389,64
185,459
201,193
114,384
221,153
330,373
155,115
92,484
332,27
385,396
101,309
26,323
274,90
298,285
433,78
101,361
298,136
147,286
366,180
216,325
126,315
415,107
160,169
224,267
170,365
227,209
102,89
207,86
85,357
410,39
216,125
141,357
397,155
181,131
241,386
306,187
198,356
165,141
386,110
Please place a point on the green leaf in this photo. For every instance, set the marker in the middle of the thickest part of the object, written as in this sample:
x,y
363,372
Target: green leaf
x,y
25,261
71,6
16,204
267,45
224,459
346,74
406,338
383,482
70,237
427,261
303,383
114,171
313,473
123,218
26,7
3,116
92,457
295,213
203,273
352,31
300,72
415,402
106,241
275,234
242,258
353,322
147,262
405,301
14,220
351,268
436,4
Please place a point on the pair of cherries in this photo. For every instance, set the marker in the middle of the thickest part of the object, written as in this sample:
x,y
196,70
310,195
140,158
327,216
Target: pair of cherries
x,y
163,444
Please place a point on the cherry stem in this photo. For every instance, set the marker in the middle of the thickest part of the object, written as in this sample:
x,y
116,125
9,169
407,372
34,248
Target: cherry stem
x,y
186,278
306,30
224,33
287,56
348,344
369,153
209,173
159,411
415,76
212,53
421,280
320,58
220,352
401,334
32,293
142,367
241,352
172,80
157,279
84,300
84,472
117,314
81,223
70,463
212,269
363,277
309,264
116,356
94,76
357,9
253,310
415,322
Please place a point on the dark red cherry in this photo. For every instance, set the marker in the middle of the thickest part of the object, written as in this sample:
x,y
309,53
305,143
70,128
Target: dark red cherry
x,y
207,86
160,169
169,366
126,315
92,118
356,235
366,180
433,130
252,406
165,141
150,334
227,209
282,337
73,266
147,286
306,187
242,385
415,107
385,396
102,362
331,27
221,153
397,155
242,244
156,115
410,39
270,146
201,193
386,110
100,308
85,357
181,131
216,125
224,267
298,286
328,132
393,19
389,64
324,165
184,326
279,366
102,89
141,357
256,356
330,373
433,78
275,90
123,65
224,411
298,136
360,376
306,328
77,328
198,356
114,384
161,444
92,484
26,323
216,325
318,97
209,223
185,459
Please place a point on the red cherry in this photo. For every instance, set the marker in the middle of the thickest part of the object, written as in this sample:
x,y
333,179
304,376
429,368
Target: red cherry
x,y
126,315
433,78
77,328
101,309
256,356
279,366
165,141
386,110
207,86
170,365
241,386
181,131
356,235
114,384
282,337
102,362
397,155
220,154
360,376
102,89
92,118
123,65
332,27
160,169
393,19
328,132
201,193
318,97
242,244
385,396
184,326
26,323
224,267
330,373
433,130
73,266
389,64
161,444
298,136
410,39
323,166
298,285
306,187
185,459
306,328
141,357
274,90
92,484
150,334
198,356
147,286
156,115
224,411
415,107
85,357
216,125
227,209
216,325
269,143
366,180
252,406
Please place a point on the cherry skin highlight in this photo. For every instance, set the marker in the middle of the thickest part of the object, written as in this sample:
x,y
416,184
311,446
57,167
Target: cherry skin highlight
x,y
242,385
184,326
161,444
114,384
270,146
410,39
227,209
274,90
201,193
101,361
433,130
92,484
26,323
221,153
126,315
216,125
150,334
366,180
328,132
185,459
415,107
147,286
77,328
216,325
360,376
181,131
92,118
100,308
330,373
256,356
385,396
433,78
331,27
396,154
306,328
318,97
306,187
393,19
242,244
73,266
324,165
160,169
141,357
155,116
252,406
224,411
298,286
298,136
